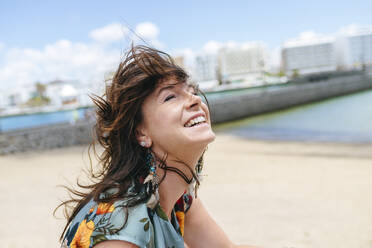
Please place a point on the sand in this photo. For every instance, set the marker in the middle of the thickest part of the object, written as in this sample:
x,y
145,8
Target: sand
x,y
270,194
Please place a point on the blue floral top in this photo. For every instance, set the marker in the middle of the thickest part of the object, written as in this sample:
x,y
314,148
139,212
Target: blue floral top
x,y
139,225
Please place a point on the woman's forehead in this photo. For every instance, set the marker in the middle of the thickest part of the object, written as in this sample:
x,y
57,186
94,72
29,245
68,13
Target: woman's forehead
x,y
172,83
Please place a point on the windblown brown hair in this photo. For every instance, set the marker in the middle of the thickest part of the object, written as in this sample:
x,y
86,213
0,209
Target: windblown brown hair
x,y
118,114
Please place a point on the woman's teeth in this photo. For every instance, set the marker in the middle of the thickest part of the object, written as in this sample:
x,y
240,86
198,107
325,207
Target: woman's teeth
x,y
195,121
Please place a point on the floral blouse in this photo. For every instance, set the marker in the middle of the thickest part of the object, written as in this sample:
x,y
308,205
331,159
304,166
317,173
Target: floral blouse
x,y
140,225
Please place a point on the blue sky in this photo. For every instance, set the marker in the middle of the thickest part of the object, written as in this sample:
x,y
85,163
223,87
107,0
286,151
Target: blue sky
x,y
181,23
30,27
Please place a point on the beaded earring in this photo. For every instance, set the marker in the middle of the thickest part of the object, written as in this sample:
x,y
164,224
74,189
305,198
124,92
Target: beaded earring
x,y
195,184
151,181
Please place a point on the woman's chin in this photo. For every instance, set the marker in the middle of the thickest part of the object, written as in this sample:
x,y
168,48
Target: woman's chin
x,y
202,134
205,140
212,137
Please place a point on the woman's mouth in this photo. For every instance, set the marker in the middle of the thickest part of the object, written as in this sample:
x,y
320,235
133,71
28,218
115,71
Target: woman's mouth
x,y
195,121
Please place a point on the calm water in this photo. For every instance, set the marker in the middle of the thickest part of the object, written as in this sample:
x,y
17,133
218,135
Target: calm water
x,y
34,120
341,119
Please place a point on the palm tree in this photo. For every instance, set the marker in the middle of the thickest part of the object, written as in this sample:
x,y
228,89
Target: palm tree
x,y
40,89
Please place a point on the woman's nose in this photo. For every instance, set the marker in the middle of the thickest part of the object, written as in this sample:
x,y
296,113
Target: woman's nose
x,y
194,100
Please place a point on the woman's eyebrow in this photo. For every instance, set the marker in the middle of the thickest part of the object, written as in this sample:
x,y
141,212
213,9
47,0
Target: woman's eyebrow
x,y
167,87
191,86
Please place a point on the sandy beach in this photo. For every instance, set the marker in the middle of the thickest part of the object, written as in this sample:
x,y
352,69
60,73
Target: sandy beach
x,y
269,194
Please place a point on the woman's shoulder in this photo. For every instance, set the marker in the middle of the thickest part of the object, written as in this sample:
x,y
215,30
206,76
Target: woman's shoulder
x,y
97,222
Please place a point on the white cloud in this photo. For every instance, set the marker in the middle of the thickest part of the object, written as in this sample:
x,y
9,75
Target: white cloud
x,y
231,44
353,29
60,60
349,28
212,46
149,32
66,60
307,35
308,38
110,33
188,55
310,35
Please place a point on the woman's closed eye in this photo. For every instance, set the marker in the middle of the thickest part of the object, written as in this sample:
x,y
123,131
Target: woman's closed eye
x,y
169,97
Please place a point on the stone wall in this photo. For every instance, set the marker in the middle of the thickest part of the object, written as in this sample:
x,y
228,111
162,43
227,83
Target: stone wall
x,y
46,137
230,107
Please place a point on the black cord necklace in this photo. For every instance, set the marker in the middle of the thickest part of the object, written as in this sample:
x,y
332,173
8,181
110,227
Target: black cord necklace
x,y
179,172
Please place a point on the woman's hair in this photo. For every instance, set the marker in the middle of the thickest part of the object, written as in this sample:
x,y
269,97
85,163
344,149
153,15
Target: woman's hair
x,y
118,113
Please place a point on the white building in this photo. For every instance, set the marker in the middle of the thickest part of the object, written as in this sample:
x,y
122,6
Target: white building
x,y
359,48
3,102
206,66
309,55
245,62
69,92
17,96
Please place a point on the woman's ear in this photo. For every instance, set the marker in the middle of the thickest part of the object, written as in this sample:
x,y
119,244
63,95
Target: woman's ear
x,y
143,139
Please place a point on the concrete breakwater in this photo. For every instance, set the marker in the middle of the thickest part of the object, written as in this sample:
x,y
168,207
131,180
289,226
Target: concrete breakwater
x,y
46,137
228,106
268,99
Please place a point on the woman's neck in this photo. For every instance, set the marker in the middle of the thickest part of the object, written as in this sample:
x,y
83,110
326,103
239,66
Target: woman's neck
x,y
174,183
170,190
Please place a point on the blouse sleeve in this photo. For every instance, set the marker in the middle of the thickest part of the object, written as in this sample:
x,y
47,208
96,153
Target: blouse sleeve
x,y
105,221
127,224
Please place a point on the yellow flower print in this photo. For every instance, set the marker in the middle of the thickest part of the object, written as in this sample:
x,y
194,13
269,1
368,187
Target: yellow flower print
x,y
103,208
181,220
82,235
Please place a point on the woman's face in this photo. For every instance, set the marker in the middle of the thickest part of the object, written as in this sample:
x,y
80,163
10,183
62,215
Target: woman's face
x,y
175,120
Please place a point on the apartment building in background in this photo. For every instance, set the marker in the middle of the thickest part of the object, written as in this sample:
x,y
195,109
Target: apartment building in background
x,y
359,48
245,62
309,55
206,67
345,50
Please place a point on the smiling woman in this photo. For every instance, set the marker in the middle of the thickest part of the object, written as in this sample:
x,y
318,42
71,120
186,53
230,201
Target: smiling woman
x,y
154,129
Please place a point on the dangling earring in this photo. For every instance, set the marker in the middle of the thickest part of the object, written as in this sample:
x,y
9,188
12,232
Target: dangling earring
x,y
194,186
152,181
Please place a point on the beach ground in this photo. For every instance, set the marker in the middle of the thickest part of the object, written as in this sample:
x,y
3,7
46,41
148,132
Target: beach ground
x,y
269,194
